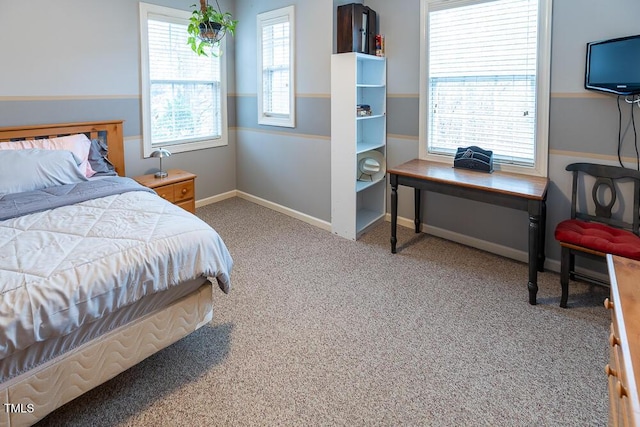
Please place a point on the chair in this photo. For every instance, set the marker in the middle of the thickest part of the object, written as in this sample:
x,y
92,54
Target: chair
x,y
592,229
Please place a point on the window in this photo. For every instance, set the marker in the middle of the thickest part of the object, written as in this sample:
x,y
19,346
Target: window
x,y
184,96
485,69
276,97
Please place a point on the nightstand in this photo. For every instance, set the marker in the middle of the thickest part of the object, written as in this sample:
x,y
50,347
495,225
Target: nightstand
x,y
178,187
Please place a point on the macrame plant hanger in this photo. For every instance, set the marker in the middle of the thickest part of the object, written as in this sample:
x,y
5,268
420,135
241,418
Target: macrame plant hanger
x,y
211,32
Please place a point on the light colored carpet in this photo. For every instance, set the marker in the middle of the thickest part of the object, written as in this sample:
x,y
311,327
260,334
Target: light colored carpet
x,y
320,330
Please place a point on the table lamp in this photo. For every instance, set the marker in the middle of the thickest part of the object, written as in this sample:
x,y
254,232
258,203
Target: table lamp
x,y
160,153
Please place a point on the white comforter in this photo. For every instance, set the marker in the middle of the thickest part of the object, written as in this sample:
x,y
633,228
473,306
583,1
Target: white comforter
x,y
65,267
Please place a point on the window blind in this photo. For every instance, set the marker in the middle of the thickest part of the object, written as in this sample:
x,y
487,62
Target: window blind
x,y
482,78
185,90
275,67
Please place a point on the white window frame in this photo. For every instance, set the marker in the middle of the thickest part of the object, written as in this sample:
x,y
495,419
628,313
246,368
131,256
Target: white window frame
x,y
543,72
285,14
148,11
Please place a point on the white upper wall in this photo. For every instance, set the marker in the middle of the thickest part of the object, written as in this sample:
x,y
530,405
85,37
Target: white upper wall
x,y
313,44
399,21
73,47
64,37
45,60
577,22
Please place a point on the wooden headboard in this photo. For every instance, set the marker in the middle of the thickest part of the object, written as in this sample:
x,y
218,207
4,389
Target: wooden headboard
x,y
108,131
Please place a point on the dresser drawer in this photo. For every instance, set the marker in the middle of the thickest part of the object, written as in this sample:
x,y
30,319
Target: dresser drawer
x,y
188,205
624,360
614,403
183,191
166,192
616,360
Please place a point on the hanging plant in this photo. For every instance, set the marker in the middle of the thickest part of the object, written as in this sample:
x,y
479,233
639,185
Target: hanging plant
x,y
207,26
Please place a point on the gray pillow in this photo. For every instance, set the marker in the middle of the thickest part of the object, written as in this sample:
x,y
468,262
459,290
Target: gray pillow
x,y
98,159
34,169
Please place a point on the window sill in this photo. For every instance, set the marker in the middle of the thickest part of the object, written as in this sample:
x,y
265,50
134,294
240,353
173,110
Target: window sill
x,y
523,170
187,146
274,121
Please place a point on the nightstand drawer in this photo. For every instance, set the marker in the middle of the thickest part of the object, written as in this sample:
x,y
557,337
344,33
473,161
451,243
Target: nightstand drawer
x,y
166,192
183,191
177,187
188,205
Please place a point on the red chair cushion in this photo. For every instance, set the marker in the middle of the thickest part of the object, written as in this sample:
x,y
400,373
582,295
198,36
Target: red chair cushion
x,y
599,237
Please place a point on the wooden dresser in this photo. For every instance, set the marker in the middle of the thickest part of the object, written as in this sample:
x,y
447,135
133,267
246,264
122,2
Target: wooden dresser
x,y
623,370
178,187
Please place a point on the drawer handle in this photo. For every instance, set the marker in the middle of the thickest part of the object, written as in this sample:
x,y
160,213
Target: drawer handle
x,y
622,392
184,191
608,304
609,371
613,341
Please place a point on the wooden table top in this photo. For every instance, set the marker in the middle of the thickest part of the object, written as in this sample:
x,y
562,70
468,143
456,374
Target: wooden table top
x,y
526,186
174,176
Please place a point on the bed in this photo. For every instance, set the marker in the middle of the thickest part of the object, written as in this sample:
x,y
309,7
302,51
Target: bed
x,y
97,282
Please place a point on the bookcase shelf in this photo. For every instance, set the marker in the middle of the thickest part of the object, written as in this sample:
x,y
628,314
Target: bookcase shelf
x,y
357,79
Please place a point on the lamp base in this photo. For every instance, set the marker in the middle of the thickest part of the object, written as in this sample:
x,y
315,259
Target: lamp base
x,y
161,174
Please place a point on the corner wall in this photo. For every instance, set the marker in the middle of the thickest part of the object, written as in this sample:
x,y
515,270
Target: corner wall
x,y
287,166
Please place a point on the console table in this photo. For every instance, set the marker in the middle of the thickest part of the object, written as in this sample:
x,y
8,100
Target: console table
x,y
516,191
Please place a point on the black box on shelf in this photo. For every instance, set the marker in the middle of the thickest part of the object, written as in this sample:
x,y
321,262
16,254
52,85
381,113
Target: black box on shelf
x,y
357,29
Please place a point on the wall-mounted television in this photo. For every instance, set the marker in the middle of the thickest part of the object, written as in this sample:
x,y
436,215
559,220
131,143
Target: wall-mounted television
x,y
613,66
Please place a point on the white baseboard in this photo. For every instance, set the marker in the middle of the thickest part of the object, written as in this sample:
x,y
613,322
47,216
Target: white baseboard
x,y
504,251
266,203
215,199
287,211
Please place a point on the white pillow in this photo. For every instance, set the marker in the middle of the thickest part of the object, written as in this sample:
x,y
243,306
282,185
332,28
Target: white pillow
x,y
78,144
34,169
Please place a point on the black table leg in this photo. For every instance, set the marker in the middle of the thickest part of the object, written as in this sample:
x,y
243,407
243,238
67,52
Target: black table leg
x,y
394,211
416,208
542,235
534,243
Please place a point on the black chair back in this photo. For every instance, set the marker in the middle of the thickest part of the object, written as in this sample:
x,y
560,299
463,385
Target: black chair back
x,y
606,177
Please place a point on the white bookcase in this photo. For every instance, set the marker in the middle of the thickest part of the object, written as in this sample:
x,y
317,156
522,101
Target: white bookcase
x,y
357,200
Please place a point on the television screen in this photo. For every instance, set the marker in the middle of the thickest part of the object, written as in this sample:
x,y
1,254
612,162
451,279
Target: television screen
x,y
614,66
